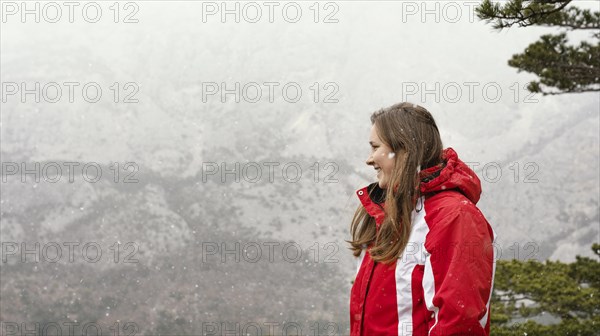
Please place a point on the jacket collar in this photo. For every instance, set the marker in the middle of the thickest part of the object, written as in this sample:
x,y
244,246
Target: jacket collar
x,y
372,198
452,174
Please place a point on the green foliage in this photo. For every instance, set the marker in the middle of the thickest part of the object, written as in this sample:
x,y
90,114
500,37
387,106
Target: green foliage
x,y
530,290
560,67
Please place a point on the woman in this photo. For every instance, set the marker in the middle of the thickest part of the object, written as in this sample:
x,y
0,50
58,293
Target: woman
x,y
425,254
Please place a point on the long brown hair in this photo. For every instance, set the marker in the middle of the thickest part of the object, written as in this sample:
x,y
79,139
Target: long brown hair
x,y
410,131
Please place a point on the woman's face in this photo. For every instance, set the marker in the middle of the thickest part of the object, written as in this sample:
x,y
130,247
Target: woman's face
x,y
382,158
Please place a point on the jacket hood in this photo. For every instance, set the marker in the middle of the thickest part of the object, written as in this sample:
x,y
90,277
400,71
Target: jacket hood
x,y
451,174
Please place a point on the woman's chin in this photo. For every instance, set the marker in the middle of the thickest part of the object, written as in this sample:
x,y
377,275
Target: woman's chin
x,y
382,184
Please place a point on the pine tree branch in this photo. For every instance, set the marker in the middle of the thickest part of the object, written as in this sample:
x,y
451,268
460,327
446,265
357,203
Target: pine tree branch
x,y
511,14
544,13
569,69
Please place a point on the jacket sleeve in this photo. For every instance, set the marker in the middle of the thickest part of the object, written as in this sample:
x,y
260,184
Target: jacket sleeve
x,y
459,271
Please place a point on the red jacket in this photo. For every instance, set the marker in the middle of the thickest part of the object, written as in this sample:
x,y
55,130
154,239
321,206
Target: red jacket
x,y
442,283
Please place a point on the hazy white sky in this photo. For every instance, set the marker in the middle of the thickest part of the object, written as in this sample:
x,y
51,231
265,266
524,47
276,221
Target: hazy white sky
x,y
375,53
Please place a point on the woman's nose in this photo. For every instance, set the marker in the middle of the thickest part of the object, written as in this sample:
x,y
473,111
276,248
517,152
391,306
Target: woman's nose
x,y
369,161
